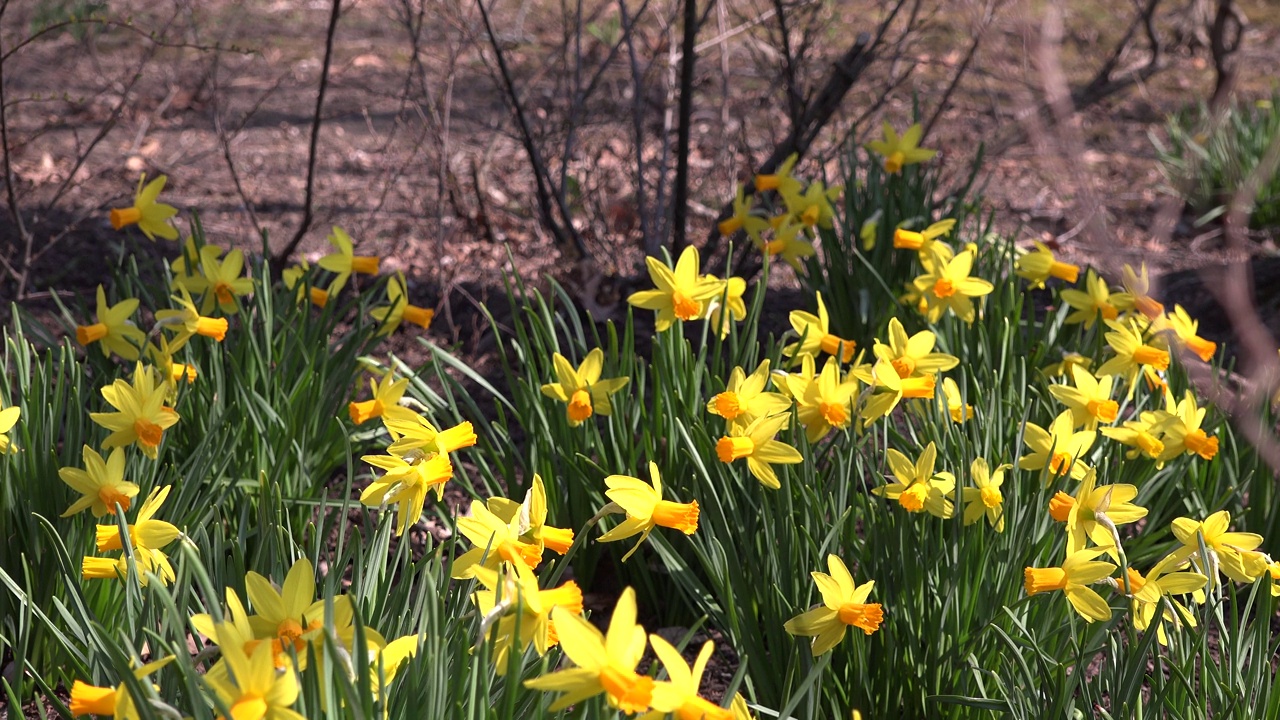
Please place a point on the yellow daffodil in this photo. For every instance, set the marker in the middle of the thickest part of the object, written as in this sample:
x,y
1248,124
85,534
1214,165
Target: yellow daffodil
x,y
780,179
398,308
1143,435
645,509
1138,285
827,402
187,272
869,231
416,438
1095,301
405,484
145,533
161,355
1230,552
812,208
728,297
253,689
925,241
1037,267
582,390
150,216
1182,431
844,604
947,285
293,276
679,293
756,443
8,418
344,262
1089,401
985,498
918,488
1064,367
291,617
1149,592
787,244
186,321
513,598
1080,570
115,333
114,702
744,398
101,484
385,401
899,152
913,356
529,518
493,542
141,416
679,695
604,663
222,278
890,388
1094,512
742,217
1132,354
815,335
957,408
146,561
1183,328
1060,447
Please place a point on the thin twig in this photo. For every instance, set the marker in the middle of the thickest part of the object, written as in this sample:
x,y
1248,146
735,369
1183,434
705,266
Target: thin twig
x,y
308,197
680,196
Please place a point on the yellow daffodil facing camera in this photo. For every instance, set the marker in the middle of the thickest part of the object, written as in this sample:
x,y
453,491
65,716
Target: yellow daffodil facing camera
x,y
985,498
898,152
141,417
948,286
679,695
844,604
582,390
604,663
101,484
679,293
511,596
150,216
918,488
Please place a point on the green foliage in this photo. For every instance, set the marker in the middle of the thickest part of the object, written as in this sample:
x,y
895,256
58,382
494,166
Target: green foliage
x,y
1208,158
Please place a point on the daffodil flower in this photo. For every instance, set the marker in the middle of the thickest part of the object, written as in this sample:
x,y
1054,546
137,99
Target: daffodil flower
x,y
113,330
816,336
1138,286
1095,301
645,509
147,537
890,388
405,484
918,487
1060,447
1143,435
344,262
398,309
292,616
186,321
756,443
1183,328
787,244
8,418
679,293
494,541
957,408
223,282
742,217
985,498
253,688
1132,354
744,398
926,240
913,356
415,436
727,305
1182,431
1089,401
899,152
529,518
1038,266
780,179
827,402
101,484
604,663
947,286
844,605
292,277
1095,511
812,208
1228,551
150,216
1148,594
1080,570
679,695
385,401
582,390
141,417
513,598
114,702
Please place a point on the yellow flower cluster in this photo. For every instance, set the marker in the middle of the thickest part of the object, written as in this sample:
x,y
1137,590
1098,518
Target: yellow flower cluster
x,y
786,232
